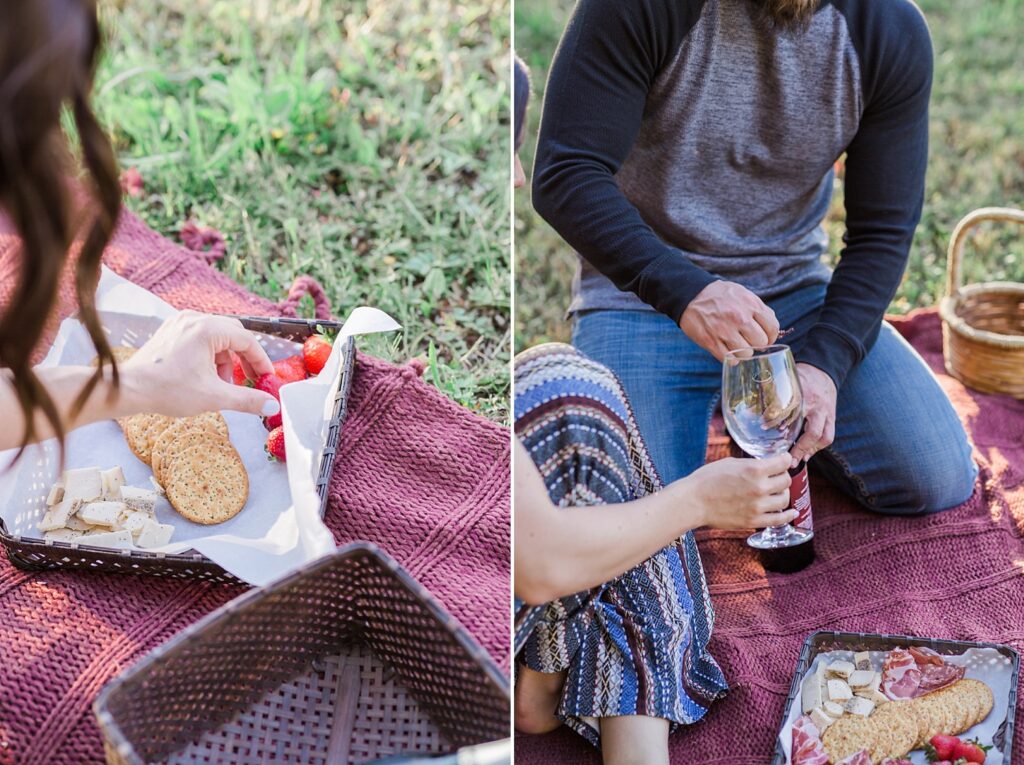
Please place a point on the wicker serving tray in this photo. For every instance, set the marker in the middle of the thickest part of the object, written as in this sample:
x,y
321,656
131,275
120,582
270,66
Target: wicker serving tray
x,y
346,661
822,642
37,554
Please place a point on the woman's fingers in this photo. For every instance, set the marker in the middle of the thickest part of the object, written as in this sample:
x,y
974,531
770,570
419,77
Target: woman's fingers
x,y
765,520
232,336
242,399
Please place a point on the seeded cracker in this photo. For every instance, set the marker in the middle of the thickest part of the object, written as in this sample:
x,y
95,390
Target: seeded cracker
x,y
209,487
188,429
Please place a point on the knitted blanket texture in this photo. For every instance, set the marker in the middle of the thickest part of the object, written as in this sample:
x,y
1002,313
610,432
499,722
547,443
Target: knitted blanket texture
x,y
416,474
958,574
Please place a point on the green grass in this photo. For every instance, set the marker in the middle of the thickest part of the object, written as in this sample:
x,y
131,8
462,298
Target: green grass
x,y
363,143
976,160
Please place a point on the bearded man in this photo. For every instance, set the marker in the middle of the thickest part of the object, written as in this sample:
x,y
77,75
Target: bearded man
x,y
686,153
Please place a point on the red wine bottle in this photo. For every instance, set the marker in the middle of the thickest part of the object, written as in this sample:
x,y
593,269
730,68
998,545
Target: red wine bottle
x,y
791,558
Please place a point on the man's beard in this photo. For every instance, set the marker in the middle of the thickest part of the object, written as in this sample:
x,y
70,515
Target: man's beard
x,y
788,14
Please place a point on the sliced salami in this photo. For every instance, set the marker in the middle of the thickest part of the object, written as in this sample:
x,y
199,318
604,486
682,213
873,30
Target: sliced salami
x,y
807,746
924,656
901,677
935,677
860,758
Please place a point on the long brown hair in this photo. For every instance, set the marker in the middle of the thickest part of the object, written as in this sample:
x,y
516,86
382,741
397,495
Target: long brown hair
x,y
48,55
789,13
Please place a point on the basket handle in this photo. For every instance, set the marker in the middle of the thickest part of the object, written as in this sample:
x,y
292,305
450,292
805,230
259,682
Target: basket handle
x,y
954,273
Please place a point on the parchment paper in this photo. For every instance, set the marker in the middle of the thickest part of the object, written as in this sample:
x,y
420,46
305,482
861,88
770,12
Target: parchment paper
x,y
985,664
280,527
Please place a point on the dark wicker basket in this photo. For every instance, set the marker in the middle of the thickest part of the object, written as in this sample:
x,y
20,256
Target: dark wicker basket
x,y
38,554
822,642
347,660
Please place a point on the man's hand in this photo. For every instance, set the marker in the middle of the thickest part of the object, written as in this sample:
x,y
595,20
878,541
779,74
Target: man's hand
x,y
725,316
820,410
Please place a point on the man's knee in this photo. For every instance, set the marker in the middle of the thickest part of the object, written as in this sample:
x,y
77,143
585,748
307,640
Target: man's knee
x,y
932,489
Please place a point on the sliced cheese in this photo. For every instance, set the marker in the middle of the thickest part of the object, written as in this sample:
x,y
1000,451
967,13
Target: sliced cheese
x,y
813,691
833,709
862,660
62,535
57,516
102,513
56,494
820,719
838,690
119,539
871,688
112,480
134,521
860,706
77,524
155,534
139,499
84,484
841,669
861,678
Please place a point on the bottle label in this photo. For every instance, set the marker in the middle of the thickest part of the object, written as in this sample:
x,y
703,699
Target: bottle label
x,y
800,497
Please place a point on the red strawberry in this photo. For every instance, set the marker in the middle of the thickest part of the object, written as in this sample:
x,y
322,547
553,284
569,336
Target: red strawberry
x,y
275,444
290,369
972,751
315,351
272,385
238,372
941,747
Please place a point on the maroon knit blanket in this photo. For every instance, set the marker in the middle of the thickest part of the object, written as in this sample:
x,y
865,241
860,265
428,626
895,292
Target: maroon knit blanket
x,y
953,575
421,477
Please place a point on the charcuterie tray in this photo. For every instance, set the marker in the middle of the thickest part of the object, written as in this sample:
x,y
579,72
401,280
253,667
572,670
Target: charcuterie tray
x,y
995,665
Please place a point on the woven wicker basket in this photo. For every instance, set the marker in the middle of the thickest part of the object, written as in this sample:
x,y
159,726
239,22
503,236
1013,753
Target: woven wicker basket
x,y
37,554
347,661
983,324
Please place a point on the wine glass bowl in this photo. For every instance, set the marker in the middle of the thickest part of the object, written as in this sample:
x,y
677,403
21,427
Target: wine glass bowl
x,y
762,404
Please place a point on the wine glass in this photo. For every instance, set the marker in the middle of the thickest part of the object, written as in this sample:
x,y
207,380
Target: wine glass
x,y
763,408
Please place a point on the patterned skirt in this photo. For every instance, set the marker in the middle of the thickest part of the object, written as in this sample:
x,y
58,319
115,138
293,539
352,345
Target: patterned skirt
x,y
636,645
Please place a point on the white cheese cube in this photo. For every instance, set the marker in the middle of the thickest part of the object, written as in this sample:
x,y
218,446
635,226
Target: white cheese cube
x,y
871,687
77,524
875,696
102,513
838,690
860,706
62,535
56,494
156,486
841,669
833,710
862,660
119,539
85,484
820,719
112,480
139,499
861,678
57,516
134,521
155,534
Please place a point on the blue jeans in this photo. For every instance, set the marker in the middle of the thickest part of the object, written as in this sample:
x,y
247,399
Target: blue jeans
x,y
899,447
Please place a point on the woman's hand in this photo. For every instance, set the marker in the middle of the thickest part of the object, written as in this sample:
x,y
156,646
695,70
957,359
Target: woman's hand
x,y
186,368
740,493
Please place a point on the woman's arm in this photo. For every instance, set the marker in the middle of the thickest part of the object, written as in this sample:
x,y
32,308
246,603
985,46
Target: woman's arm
x,y
562,550
184,369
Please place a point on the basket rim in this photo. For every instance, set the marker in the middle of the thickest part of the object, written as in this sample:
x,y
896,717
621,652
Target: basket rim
x,y
948,313
230,610
188,557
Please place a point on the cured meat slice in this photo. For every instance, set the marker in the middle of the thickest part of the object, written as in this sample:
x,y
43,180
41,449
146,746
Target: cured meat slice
x,y
807,746
900,675
935,677
925,656
860,758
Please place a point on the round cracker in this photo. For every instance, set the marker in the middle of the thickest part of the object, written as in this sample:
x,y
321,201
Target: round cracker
x,y
982,694
213,419
208,487
848,735
196,445
896,731
188,430
134,428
